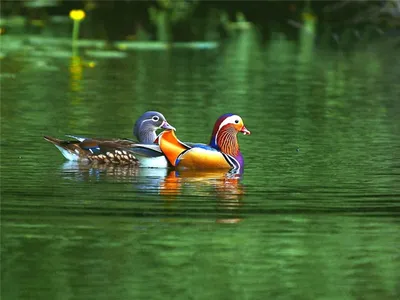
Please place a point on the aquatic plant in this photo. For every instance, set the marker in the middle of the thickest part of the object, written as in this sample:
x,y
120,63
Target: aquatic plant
x,y
77,16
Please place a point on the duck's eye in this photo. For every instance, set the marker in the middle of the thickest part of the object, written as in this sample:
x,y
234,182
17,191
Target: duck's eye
x,y
155,118
237,121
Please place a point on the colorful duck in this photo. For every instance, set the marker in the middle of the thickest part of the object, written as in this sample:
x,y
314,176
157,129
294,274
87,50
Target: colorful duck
x,y
221,153
117,151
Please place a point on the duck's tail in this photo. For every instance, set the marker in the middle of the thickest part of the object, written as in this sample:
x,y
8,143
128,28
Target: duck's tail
x,y
67,148
53,140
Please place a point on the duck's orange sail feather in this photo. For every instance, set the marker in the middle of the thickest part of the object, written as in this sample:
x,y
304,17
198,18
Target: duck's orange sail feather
x,y
170,145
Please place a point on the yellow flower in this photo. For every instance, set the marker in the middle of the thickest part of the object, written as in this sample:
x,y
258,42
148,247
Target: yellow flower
x,y
308,17
77,15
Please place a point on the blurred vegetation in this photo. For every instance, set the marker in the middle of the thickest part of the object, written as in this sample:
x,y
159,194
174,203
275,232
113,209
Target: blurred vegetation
x,y
189,20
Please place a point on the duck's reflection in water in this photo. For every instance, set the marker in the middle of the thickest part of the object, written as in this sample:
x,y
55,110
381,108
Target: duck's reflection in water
x,y
224,187
123,173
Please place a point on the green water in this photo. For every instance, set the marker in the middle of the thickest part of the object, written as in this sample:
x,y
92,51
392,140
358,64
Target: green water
x,y
315,216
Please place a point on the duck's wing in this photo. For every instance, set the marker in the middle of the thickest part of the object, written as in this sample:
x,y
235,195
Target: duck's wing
x,y
200,157
116,140
99,150
146,150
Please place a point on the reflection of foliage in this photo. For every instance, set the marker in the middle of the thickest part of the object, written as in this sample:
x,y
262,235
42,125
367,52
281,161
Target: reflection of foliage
x,y
168,13
349,22
367,11
178,10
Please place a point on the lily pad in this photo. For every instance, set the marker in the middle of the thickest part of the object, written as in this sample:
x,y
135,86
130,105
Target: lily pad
x,y
54,53
141,45
37,40
196,45
105,54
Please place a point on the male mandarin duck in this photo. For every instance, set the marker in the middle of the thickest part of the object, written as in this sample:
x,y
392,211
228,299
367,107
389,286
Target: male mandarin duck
x,y
117,151
221,153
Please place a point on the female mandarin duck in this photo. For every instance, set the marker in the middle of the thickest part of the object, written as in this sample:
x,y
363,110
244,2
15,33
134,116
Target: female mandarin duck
x,y
117,151
221,153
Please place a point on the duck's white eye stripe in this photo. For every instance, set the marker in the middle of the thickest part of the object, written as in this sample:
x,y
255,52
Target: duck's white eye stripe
x,y
231,119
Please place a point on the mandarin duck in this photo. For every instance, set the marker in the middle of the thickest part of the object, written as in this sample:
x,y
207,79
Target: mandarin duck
x,y
221,153
117,151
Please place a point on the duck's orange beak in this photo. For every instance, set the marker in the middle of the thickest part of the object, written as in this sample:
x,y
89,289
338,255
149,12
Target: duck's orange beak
x,y
244,130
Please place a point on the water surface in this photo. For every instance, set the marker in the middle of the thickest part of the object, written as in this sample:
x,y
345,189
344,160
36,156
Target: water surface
x,y
315,215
